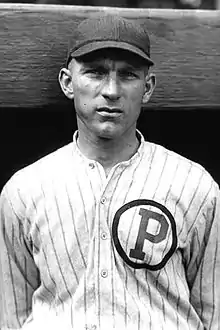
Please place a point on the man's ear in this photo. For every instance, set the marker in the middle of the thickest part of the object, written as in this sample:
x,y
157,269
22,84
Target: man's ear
x,y
150,83
65,80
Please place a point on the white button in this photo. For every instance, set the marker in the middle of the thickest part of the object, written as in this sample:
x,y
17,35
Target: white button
x,y
103,200
91,165
104,273
103,235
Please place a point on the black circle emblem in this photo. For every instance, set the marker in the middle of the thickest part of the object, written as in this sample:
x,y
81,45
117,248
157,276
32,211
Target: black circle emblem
x,y
160,218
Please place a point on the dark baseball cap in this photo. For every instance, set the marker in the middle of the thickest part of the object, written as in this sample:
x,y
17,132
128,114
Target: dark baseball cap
x,y
110,31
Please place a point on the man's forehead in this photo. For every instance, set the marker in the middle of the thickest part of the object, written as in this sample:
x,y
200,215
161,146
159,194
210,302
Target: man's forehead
x,y
111,57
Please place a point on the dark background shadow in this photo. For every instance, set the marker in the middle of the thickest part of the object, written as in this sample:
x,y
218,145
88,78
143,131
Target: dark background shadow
x,y
28,134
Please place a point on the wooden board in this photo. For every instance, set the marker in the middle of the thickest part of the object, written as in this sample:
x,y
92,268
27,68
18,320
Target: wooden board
x,y
34,39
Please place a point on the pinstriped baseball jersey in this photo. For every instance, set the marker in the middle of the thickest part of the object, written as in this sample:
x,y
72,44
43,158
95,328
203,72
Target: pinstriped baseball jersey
x,y
135,250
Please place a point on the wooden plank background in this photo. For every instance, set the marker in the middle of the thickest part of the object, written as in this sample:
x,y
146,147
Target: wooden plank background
x,y
34,40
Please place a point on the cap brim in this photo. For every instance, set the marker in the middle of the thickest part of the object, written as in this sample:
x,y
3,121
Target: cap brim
x,y
88,48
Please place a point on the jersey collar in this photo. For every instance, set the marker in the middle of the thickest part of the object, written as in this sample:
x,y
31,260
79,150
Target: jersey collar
x,y
135,157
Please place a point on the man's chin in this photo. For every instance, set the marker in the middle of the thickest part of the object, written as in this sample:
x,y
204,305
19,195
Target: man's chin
x,y
107,136
109,133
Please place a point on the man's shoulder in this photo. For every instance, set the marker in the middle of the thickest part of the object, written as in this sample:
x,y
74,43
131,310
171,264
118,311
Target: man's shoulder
x,y
50,161
164,155
186,175
50,165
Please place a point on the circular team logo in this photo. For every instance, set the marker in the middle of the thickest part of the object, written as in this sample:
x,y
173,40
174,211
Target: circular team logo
x,y
144,234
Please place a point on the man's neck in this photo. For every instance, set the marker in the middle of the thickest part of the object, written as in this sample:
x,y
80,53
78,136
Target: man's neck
x,y
108,152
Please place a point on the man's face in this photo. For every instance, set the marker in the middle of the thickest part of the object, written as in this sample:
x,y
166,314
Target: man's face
x,y
108,89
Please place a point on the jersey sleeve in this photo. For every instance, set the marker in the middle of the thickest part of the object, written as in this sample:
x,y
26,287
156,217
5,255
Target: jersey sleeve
x,y
203,263
19,276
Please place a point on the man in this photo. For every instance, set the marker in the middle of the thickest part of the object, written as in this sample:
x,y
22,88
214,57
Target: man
x,y
110,231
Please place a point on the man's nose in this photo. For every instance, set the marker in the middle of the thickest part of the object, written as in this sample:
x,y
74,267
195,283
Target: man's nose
x,y
111,88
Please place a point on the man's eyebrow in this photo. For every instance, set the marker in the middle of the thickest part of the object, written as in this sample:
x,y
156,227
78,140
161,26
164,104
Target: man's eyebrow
x,y
130,67
92,64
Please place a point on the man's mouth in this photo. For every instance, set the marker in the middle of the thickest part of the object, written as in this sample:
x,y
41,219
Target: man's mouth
x,y
109,112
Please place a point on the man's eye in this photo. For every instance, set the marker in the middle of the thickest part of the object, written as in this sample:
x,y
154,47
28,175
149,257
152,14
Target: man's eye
x,y
96,72
128,75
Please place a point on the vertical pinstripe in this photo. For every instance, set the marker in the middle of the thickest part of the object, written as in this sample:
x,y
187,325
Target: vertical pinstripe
x,y
64,240
55,252
55,209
